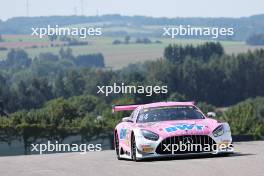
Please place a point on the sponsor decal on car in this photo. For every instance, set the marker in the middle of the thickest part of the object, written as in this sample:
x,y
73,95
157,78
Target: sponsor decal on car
x,y
184,127
124,136
123,133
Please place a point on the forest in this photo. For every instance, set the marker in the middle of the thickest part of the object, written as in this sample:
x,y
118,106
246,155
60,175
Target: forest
x,y
244,26
55,96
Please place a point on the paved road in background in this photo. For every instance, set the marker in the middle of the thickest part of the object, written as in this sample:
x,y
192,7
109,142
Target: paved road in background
x,y
247,161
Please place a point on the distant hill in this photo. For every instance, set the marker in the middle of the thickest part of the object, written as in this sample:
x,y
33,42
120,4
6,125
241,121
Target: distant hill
x,y
244,26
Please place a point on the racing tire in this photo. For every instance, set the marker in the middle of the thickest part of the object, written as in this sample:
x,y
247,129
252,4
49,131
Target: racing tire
x,y
117,147
134,149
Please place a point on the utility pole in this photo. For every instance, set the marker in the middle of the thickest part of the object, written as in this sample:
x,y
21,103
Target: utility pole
x,y
75,11
27,7
81,7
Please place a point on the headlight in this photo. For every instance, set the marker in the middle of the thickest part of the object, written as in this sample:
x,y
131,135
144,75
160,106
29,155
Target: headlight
x,y
219,131
150,135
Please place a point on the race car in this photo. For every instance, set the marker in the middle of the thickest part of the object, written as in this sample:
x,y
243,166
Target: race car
x,y
165,129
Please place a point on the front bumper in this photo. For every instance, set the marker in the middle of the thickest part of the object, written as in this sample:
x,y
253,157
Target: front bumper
x,y
150,149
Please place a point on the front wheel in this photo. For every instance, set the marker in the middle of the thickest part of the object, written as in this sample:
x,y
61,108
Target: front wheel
x,y
133,149
117,147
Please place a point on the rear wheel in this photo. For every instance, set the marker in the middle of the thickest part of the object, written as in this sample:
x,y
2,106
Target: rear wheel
x,y
133,149
117,147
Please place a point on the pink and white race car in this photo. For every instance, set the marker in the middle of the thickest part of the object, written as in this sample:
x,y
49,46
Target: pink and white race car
x,y
166,129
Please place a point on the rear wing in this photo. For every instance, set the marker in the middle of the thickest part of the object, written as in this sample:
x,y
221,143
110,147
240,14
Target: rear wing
x,y
117,108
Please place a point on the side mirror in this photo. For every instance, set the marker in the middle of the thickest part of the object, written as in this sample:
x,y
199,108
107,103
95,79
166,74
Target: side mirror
x,y
211,114
127,119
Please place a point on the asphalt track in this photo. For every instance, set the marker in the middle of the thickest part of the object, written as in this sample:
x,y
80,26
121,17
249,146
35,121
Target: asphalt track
x,y
248,160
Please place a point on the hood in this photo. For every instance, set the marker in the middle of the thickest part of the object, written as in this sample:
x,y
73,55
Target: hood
x,y
181,127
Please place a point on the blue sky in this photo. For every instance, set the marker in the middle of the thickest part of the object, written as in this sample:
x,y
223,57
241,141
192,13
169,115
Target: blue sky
x,y
156,8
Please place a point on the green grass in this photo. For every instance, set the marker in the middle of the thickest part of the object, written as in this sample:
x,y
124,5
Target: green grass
x,y
118,56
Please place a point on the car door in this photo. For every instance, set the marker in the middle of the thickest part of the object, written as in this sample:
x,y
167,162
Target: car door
x,y
128,127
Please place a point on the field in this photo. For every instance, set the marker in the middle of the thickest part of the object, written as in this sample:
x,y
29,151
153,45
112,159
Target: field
x,y
116,56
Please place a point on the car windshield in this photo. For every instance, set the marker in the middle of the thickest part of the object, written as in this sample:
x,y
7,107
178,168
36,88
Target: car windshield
x,y
169,113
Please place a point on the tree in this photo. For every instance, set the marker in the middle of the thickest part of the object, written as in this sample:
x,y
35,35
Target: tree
x,y
74,83
59,86
1,38
177,97
173,54
116,42
52,37
144,40
66,54
255,39
90,60
48,56
17,59
127,39
247,117
177,53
